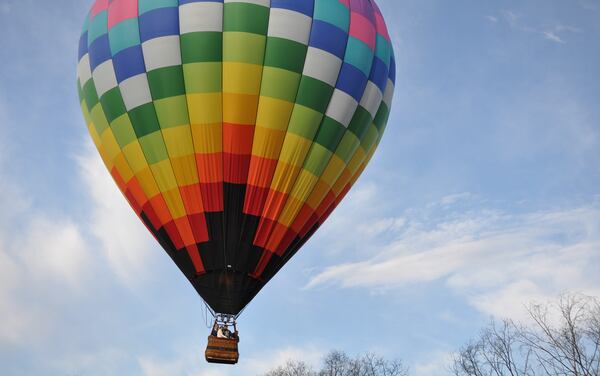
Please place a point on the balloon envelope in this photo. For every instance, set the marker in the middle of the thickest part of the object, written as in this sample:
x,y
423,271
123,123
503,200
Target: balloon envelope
x,y
234,128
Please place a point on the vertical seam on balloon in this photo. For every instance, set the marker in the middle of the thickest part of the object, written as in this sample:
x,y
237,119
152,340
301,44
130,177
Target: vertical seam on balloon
x,y
189,126
262,71
262,74
261,216
224,216
283,260
295,98
163,138
290,252
244,222
241,213
318,128
127,113
145,156
110,127
253,129
346,130
362,166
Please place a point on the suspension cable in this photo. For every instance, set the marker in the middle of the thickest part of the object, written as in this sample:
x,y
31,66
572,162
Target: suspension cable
x,y
205,312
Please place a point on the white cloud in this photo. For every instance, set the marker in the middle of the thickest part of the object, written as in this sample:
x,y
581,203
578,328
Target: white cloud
x,y
515,21
590,5
15,321
437,364
103,361
381,226
512,18
45,255
185,366
37,254
124,240
362,202
571,29
492,19
54,250
551,36
454,198
41,253
498,261
187,362
271,358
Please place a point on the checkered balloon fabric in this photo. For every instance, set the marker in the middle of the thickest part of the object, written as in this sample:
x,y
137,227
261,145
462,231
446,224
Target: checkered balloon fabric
x,y
234,128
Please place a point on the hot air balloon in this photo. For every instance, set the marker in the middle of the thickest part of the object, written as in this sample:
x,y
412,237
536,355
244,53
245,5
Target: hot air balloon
x,y
234,127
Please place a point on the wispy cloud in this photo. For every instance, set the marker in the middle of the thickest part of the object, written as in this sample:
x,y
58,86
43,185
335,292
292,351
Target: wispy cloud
x,y
492,19
550,35
123,239
516,22
257,363
511,17
38,254
437,364
571,29
554,34
590,5
42,253
496,260
454,198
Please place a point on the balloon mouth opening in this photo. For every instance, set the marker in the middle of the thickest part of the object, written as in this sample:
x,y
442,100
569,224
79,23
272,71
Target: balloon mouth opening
x,y
226,291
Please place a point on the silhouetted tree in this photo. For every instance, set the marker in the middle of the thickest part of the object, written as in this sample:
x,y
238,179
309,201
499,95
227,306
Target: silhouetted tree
x,y
292,368
373,365
563,340
338,363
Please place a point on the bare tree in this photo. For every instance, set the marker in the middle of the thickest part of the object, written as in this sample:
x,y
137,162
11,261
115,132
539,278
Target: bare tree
x,y
564,340
373,365
338,363
292,368
568,346
497,352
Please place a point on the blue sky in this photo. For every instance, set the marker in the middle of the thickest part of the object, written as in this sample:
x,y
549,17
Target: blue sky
x,y
483,196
